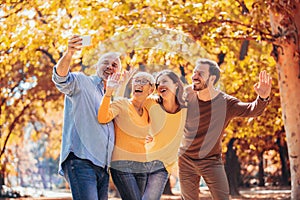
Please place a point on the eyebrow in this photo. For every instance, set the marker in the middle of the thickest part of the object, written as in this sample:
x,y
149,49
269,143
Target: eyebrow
x,y
201,72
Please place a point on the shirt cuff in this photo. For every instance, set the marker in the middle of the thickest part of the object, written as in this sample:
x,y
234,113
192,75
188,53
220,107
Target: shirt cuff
x,y
264,99
58,78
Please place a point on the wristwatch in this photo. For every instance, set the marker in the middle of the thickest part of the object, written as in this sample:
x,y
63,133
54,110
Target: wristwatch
x,y
264,99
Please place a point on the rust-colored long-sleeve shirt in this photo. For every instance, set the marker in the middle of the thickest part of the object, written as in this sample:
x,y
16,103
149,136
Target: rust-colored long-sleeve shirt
x,y
207,120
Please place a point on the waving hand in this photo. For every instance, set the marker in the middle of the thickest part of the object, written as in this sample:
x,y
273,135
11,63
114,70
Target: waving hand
x,y
263,87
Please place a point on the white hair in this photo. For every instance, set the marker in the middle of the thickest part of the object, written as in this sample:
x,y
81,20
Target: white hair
x,y
145,75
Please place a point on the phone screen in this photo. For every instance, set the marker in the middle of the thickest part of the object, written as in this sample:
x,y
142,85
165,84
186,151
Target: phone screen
x,y
86,40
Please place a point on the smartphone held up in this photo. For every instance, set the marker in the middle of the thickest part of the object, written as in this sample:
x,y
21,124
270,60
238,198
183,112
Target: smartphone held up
x,y
86,40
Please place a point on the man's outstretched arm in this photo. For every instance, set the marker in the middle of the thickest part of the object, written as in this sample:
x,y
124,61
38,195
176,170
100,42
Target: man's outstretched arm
x,y
63,65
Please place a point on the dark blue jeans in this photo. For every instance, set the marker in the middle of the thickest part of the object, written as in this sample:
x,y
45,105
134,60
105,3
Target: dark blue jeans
x,y
130,178
156,182
139,180
86,180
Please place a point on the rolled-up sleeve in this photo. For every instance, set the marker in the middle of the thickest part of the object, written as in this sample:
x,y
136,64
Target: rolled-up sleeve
x,y
58,79
65,84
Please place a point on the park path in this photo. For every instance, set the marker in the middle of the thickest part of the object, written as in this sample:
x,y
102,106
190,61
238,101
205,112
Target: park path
x,y
258,193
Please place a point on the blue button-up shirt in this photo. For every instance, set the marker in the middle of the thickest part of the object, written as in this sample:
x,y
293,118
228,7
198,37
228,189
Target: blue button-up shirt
x,y
82,134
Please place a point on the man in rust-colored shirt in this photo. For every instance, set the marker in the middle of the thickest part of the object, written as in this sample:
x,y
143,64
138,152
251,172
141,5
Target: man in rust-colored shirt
x,y
209,113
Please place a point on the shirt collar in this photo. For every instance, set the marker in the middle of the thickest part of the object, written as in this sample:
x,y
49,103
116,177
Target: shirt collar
x,y
97,80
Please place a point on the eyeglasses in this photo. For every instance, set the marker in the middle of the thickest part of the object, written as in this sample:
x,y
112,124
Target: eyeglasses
x,y
140,81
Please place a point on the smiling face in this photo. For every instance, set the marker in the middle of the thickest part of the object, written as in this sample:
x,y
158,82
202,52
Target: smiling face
x,y
107,65
169,87
142,85
165,86
205,75
200,77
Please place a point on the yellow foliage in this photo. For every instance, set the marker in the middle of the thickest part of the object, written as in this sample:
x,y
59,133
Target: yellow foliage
x,y
163,34
252,147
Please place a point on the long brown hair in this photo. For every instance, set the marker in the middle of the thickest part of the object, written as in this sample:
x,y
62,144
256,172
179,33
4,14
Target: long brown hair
x,y
179,91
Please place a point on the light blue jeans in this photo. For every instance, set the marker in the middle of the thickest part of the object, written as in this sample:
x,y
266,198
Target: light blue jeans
x,y
139,180
86,180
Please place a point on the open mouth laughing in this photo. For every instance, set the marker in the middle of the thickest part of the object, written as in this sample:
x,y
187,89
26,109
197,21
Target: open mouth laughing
x,y
138,90
162,90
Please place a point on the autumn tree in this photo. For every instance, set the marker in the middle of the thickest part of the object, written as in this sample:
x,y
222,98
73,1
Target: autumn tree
x,y
26,87
285,21
238,34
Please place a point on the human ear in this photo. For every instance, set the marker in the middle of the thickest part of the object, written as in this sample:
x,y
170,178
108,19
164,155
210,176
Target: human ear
x,y
212,78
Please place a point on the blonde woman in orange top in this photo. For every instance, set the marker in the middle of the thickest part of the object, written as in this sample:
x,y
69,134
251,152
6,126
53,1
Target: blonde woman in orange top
x,y
129,167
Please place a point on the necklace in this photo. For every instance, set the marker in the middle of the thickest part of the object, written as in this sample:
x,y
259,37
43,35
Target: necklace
x,y
139,110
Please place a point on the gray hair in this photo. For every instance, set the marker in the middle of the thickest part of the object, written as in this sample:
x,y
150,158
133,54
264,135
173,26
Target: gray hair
x,y
110,56
145,75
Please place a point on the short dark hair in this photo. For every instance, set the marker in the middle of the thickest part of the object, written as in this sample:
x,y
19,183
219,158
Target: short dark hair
x,y
214,68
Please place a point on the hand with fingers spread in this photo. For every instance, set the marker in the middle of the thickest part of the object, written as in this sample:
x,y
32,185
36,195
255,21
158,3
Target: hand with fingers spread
x,y
124,79
263,87
113,82
127,75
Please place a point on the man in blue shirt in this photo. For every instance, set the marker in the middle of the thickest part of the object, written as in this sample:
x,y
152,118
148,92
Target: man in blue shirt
x,y
86,145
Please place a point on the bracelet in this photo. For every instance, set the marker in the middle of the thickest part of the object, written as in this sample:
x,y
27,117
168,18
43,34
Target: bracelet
x,y
264,99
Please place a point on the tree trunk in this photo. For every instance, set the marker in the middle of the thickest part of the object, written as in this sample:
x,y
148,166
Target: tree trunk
x,y
261,180
2,172
282,149
232,168
285,22
2,175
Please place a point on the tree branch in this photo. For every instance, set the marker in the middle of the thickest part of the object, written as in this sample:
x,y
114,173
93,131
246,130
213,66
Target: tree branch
x,y
254,38
218,21
14,12
12,89
245,10
12,128
48,54
40,16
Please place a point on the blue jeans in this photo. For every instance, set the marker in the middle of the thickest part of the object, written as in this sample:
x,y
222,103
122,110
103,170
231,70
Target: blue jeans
x,y
86,180
129,178
156,181
139,180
